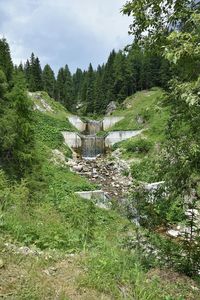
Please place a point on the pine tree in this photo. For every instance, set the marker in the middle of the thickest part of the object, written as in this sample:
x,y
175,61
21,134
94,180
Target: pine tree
x,y
77,84
90,90
35,74
135,63
98,92
120,76
16,132
64,88
69,103
27,72
84,87
108,80
5,59
3,90
48,80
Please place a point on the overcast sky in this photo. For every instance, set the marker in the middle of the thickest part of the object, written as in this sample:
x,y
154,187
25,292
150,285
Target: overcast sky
x,y
59,32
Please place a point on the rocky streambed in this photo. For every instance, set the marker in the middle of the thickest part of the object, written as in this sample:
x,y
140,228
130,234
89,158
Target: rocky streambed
x,y
110,173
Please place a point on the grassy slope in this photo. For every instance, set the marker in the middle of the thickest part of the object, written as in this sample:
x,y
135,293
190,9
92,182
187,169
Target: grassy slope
x,y
103,268
142,150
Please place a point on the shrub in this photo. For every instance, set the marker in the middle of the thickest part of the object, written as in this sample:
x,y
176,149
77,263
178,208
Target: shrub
x,y
146,170
139,146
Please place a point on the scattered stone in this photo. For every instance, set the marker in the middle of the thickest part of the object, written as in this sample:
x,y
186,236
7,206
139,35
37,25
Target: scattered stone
x,y
140,120
95,176
94,170
42,106
46,106
109,172
78,168
59,158
173,233
111,108
23,250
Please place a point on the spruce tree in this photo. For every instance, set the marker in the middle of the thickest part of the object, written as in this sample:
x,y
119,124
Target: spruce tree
x,y
84,87
90,90
77,84
108,80
35,74
27,72
135,63
98,92
5,59
120,76
64,88
3,90
69,103
16,131
48,80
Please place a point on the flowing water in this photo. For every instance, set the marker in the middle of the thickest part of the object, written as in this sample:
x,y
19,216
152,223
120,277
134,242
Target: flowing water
x,y
92,145
93,127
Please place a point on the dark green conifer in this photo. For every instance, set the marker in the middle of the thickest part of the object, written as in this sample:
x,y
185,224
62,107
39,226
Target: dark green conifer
x,y
90,90
5,59
48,80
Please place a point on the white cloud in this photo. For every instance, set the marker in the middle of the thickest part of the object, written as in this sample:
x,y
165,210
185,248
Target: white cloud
x,y
64,31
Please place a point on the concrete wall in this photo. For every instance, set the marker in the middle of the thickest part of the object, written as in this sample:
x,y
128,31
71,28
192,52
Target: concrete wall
x,y
101,198
72,139
98,194
118,136
76,122
110,121
81,126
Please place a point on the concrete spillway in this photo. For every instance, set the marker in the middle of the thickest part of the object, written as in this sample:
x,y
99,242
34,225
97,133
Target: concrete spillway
x,y
119,136
93,127
87,143
92,146
104,124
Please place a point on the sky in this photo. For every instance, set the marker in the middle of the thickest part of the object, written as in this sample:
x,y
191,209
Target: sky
x,y
59,32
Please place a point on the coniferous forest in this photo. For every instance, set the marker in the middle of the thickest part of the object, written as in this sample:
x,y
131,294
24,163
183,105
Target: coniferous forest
x,y
124,73
140,239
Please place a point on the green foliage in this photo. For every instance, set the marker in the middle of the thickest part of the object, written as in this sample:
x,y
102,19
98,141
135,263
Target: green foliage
x,y
3,90
6,64
49,129
64,88
142,104
17,139
33,73
177,32
139,146
108,266
90,90
161,19
49,82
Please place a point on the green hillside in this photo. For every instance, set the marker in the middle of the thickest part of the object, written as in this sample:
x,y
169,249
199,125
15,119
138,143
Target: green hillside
x,y
71,237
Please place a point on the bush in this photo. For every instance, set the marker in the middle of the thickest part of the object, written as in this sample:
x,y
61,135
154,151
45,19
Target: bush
x,y
139,146
146,170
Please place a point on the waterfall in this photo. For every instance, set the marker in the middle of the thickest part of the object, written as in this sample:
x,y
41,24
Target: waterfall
x,y
92,146
92,127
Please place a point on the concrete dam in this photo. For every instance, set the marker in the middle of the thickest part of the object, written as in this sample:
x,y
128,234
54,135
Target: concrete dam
x,y
87,143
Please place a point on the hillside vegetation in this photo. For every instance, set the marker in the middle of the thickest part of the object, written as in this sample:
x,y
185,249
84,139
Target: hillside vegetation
x,y
60,236
145,245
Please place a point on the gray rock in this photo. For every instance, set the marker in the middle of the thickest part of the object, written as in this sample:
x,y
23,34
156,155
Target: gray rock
x,y
78,168
111,108
173,233
140,120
